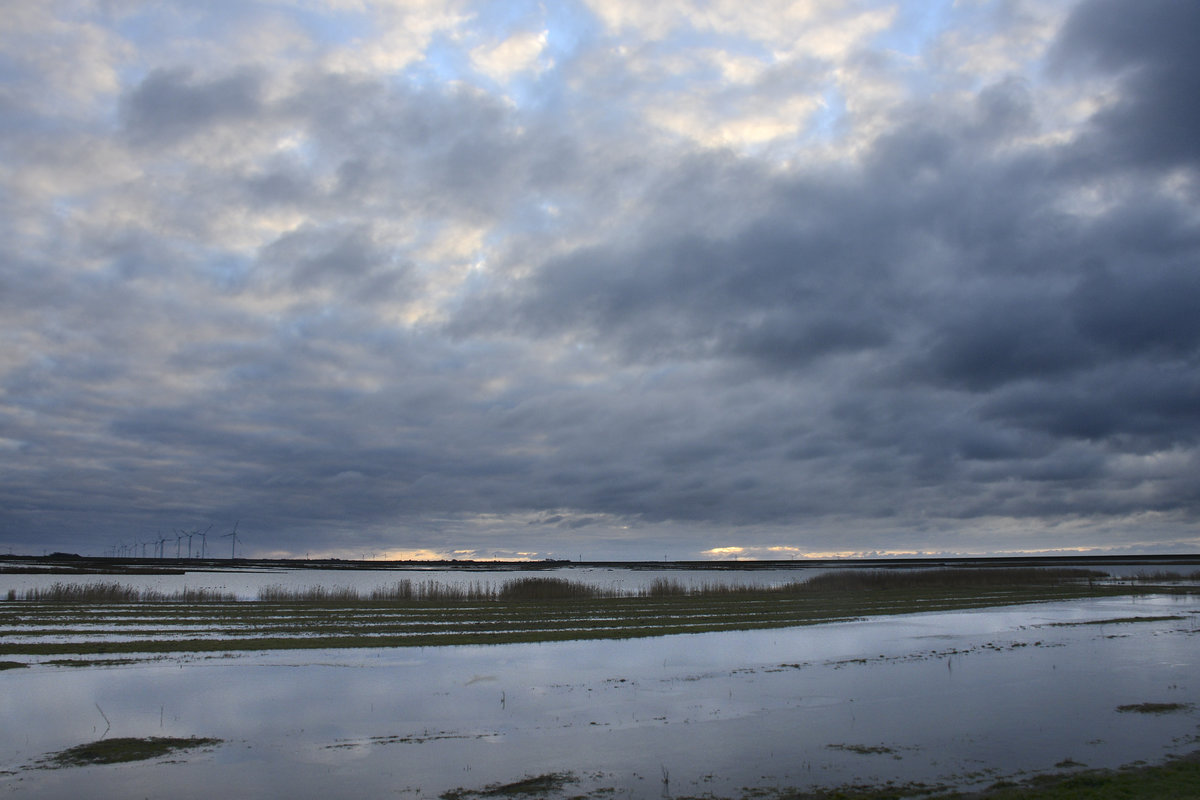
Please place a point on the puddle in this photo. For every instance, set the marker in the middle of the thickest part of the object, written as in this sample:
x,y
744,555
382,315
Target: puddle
x,y
956,698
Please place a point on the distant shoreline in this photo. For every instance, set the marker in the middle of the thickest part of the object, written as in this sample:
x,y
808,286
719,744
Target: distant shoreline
x,y
68,564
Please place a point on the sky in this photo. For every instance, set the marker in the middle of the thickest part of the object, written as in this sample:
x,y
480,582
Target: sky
x,y
600,279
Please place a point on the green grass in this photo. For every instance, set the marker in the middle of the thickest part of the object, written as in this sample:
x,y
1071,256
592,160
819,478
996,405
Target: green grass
x,y
116,751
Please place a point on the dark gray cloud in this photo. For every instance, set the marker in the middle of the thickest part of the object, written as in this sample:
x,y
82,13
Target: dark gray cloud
x,y
173,104
1149,311
1152,53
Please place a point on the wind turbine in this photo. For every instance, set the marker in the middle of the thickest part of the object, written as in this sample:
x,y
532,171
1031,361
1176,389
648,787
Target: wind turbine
x,y
178,537
204,541
233,534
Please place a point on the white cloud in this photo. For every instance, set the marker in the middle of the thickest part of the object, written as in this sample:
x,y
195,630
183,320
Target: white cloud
x,y
400,33
521,52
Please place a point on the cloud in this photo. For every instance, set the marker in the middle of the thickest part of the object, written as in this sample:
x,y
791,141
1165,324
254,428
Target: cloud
x,y
1149,122
169,105
847,278
520,52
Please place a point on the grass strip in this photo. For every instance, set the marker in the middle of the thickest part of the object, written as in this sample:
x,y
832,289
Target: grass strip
x,y
1176,779
255,626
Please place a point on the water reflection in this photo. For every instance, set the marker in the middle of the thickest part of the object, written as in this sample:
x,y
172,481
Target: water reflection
x,y
935,697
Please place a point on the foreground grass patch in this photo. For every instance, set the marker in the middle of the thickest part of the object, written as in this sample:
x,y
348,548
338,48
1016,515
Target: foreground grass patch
x,y
116,751
527,787
1154,708
1178,778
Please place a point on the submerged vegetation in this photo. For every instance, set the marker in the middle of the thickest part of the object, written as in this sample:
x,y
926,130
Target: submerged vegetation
x,y
1154,708
116,751
63,620
535,786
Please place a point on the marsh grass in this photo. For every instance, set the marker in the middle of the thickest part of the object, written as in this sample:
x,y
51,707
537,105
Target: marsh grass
x,y
544,589
108,592
1177,778
532,786
57,629
116,751
12,665
543,609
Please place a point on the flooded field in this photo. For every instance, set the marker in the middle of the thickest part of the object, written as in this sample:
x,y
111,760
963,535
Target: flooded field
x,y
246,584
953,698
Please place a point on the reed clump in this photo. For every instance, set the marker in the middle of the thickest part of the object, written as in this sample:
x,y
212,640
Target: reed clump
x,y
107,592
197,595
665,587
552,589
404,591
277,593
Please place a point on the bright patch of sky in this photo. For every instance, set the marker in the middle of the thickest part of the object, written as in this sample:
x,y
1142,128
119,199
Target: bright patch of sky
x,y
916,26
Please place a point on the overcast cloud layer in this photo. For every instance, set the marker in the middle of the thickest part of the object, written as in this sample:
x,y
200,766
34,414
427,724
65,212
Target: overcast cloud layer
x,y
605,279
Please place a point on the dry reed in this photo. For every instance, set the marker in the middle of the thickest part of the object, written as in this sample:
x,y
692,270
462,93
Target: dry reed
x,y
544,589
